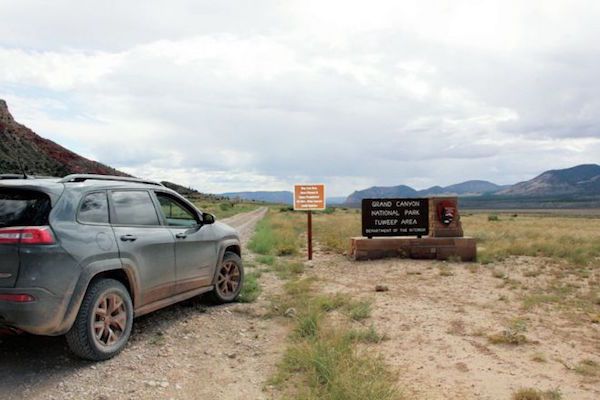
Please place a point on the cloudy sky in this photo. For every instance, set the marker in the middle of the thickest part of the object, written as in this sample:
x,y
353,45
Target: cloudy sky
x,y
258,95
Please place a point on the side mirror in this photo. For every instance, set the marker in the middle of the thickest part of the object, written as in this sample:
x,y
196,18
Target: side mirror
x,y
208,219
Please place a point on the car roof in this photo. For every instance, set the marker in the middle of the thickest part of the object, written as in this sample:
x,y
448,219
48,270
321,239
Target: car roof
x,y
54,187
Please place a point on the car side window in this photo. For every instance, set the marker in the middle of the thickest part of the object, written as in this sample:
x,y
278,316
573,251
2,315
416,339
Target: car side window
x,y
134,207
175,213
94,209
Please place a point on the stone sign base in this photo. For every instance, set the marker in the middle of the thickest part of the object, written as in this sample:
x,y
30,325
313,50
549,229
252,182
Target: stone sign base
x,y
427,248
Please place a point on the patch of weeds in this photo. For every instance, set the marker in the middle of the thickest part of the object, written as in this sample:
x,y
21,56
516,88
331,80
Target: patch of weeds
x,y
534,300
457,327
588,368
532,273
331,369
158,339
359,310
266,260
539,357
369,335
535,394
493,218
473,268
330,303
307,326
499,274
445,271
251,289
322,361
263,240
285,270
513,335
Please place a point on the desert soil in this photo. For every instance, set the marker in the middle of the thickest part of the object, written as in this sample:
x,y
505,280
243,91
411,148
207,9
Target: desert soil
x,y
437,325
191,350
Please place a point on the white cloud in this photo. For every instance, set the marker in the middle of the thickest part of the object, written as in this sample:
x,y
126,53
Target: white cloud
x,y
228,96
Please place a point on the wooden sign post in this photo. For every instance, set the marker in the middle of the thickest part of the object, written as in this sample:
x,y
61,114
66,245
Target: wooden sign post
x,y
309,198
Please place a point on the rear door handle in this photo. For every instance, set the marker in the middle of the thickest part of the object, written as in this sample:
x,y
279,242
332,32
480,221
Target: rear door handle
x,y
128,238
181,236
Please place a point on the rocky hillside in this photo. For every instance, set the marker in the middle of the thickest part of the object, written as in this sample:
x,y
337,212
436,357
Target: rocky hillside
x,y
191,193
580,180
19,145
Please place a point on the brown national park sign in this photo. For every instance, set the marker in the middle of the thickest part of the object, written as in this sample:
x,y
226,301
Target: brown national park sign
x,y
414,228
395,217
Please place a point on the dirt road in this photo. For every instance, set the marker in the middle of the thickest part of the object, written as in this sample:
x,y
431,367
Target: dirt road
x,y
188,351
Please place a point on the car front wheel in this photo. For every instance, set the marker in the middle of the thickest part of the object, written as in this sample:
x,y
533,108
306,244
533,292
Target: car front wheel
x,y
229,280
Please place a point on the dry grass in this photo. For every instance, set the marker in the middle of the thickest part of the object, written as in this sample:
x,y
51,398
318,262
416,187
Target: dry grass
x,y
323,360
277,235
535,394
576,240
569,278
513,335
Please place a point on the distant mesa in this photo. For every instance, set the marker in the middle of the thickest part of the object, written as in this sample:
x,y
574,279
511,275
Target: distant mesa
x,y
278,197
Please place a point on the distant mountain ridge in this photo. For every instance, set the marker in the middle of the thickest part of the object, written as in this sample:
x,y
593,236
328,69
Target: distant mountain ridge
x,y
280,197
20,146
580,180
473,188
578,183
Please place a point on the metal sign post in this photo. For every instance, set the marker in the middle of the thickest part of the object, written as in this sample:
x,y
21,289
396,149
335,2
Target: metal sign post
x,y
309,198
309,234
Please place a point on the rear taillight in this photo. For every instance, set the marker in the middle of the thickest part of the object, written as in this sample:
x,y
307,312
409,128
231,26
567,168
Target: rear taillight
x,y
17,298
27,235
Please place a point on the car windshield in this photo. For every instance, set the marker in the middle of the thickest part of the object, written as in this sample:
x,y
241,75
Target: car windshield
x,y
23,208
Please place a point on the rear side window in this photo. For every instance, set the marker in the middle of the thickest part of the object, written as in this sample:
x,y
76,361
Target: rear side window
x,y
23,208
134,208
94,209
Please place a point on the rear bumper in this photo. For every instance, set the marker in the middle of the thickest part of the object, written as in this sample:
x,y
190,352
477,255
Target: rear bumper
x,y
43,316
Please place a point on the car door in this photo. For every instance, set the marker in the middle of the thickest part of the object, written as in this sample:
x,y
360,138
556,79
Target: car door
x,y
195,244
145,245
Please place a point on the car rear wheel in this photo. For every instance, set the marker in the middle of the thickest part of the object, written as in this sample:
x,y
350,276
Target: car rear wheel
x,y
103,324
229,280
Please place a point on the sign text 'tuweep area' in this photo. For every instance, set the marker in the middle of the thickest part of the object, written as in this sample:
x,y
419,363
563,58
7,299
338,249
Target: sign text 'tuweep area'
x,y
309,197
395,217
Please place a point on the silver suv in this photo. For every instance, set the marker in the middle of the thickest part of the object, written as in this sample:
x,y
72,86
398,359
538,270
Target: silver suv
x,y
85,254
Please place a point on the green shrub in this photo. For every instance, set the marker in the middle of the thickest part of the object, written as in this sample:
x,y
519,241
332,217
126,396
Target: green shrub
x,y
251,289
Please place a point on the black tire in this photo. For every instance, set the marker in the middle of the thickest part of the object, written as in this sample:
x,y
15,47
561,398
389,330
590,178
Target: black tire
x,y
111,338
223,291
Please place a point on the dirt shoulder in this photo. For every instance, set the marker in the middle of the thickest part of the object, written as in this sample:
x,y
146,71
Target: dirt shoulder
x,y
438,317
187,351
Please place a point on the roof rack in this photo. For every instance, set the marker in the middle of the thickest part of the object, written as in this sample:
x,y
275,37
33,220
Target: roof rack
x,y
21,176
13,176
85,177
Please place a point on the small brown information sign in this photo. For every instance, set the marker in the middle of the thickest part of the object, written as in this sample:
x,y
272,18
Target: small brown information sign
x,y
309,197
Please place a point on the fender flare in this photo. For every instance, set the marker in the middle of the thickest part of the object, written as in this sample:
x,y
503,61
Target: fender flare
x,y
88,273
223,245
